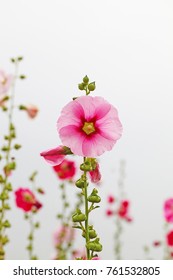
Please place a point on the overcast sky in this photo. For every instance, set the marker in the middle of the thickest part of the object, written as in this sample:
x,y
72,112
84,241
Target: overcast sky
x,y
126,47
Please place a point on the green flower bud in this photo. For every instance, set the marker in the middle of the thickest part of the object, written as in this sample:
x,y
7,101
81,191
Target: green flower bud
x,y
78,216
86,80
94,245
92,233
80,183
86,166
94,198
17,146
92,86
6,224
81,86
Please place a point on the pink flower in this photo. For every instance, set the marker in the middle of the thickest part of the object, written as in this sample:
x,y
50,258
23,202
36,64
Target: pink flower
x,y
123,210
156,243
109,212
89,126
95,174
63,234
95,258
32,111
111,199
65,170
5,82
26,200
57,155
169,238
168,210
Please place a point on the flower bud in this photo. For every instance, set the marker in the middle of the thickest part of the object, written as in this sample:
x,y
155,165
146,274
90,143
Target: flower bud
x,y
86,80
78,216
94,245
92,86
86,166
80,183
81,86
94,198
92,233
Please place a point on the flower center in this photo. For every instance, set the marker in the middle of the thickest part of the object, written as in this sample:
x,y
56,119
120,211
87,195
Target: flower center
x,y
3,82
88,128
28,198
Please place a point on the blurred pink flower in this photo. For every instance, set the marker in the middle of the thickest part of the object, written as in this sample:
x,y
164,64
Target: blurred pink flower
x,y
109,212
56,156
79,254
111,199
65,170
5,82
63,234
32,111
168,210
89,126
169,238
95,258
123,210
95,174
25,199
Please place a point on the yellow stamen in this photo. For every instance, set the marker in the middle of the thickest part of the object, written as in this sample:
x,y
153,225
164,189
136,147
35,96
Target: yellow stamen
x,y
88,128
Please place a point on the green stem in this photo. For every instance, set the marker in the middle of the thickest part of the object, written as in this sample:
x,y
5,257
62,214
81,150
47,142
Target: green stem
x,y
7,158
86,214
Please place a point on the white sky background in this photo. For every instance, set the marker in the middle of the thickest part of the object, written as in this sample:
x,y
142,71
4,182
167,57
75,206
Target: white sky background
x,y
127,48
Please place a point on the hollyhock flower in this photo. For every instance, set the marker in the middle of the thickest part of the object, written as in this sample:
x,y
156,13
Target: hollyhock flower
x,y
32,111
65,170
26,200
5,82
169,238
95,258
79,254
64,234
109,212
123,210
156,243
89,126
95,174
168,210
57,155
111,199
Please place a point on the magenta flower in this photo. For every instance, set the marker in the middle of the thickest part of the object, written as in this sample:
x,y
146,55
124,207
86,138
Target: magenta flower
x,y
95,174
63,234
65,170
89,126
5,82
56,156
169,238
168,210
26,200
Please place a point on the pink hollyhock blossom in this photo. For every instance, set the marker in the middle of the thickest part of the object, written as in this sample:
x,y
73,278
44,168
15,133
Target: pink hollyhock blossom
x,y
95,259
169,238
168,210
64,234
123,210
111,199
32,111
26,200
57,155
65,170
89,126
3,100
79,254
156,243
109,212
95,174
5,82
